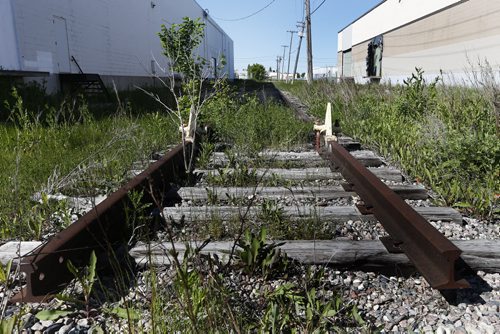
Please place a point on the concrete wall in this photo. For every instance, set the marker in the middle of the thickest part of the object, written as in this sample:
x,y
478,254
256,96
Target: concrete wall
x,y
109,37
451,41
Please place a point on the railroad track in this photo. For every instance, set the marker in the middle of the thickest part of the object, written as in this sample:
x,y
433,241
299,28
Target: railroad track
x,y
326,199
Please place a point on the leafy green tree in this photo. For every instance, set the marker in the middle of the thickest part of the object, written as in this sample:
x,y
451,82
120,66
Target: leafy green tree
x,y
186,75
179,43
257,72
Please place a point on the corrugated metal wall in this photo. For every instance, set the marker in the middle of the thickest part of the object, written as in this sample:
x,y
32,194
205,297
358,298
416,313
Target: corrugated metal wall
x,y
9,57
109,37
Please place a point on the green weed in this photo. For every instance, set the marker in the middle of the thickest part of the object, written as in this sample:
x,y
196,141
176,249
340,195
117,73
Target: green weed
x,y
205,156
301,308
250,125
258,256
240,176
444,136
67,147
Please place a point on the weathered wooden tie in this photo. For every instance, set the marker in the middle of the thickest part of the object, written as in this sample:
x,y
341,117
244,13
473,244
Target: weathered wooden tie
x,y
305,159
306,192
297,174
479,254
299,212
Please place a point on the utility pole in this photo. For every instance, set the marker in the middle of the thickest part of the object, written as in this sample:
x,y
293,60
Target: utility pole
x,y
289,53
309,43
301,35
283,65
278,60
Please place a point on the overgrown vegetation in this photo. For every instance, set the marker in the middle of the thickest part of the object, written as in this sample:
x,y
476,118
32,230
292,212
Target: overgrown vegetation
x,y
249,124
68,147
445,136
273,294
80,152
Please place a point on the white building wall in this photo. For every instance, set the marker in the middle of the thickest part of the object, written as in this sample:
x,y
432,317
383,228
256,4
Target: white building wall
x,y
346,40
109,37
389,15
9,57
453,69
450,43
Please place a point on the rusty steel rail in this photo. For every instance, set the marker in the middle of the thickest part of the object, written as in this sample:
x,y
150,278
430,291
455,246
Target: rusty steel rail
x,y
434,256
101,229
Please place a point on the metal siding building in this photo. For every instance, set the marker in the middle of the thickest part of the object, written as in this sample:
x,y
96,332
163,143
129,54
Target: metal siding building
x,y
448,36
116,39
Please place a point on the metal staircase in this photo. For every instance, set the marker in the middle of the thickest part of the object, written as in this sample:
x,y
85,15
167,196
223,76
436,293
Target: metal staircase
x,y
89,84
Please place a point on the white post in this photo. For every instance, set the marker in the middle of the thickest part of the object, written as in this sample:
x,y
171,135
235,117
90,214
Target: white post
x,y
327,128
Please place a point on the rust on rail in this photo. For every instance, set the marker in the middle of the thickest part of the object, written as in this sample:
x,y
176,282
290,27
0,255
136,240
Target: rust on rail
x,y
101,229
434,256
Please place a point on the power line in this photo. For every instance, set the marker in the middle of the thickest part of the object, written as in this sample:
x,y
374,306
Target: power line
x,y
248,16
321,4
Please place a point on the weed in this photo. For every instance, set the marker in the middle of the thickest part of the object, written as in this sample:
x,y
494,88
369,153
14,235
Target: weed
x,y
251,125
216,228
7,325
47,213
301,308
86,278
271,212
271,215
201,300
416,96
136,218
240,176
5,282
212,197
66,147
206,151
445,136
256,255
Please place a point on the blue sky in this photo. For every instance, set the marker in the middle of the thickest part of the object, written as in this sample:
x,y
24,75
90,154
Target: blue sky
x,y
258,39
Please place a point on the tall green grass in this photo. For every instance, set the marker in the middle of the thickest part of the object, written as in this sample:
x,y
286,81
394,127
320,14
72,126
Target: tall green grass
x,y
250,124
67,147
444,136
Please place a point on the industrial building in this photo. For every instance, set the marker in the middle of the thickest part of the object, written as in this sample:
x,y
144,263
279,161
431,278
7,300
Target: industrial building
x,y
442,37
107,40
